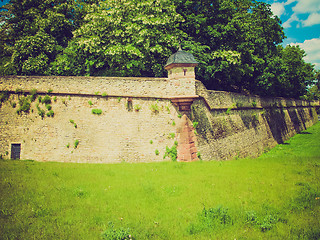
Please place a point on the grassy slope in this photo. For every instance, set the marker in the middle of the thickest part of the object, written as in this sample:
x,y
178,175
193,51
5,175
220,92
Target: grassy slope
x,y
165,200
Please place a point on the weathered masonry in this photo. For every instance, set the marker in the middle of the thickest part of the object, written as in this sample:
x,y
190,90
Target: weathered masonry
x,y
112,119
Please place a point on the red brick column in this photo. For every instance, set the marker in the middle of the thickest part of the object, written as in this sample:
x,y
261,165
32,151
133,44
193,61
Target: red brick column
x,y
187,150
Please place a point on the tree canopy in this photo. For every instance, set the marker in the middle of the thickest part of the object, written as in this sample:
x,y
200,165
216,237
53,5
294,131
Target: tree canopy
x,y
237,43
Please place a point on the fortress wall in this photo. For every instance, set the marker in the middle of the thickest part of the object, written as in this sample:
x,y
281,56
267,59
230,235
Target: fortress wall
x,y
119,134
111,86
232,125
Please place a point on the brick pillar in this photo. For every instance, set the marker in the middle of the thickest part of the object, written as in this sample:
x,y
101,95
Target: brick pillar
x,y
187,150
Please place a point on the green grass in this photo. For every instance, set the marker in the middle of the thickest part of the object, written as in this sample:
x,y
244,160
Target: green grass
x,y
275,196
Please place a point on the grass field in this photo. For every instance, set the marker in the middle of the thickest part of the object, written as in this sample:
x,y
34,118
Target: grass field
x,y
275,196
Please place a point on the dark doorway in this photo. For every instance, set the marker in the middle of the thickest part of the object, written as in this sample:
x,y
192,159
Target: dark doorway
x,y
15,150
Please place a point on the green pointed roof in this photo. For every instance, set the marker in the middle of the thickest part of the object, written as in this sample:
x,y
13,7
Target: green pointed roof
x,y
181,57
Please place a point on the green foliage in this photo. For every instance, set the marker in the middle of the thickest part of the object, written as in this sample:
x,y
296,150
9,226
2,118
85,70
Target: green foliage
x,y
90,102
155,108
46,99
179,116
171,135
50,113
151,142
49,107
25,105
55,98
4,96
96,111
41,112
274,196
119,99
254,104
171,152
104,94
116,234
50,91
137,107
76,143
157,152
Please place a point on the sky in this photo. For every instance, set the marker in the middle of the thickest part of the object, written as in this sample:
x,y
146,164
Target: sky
x,y
301,23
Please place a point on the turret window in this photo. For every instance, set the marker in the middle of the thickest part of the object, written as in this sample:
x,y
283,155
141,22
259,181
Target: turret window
x,y
184,72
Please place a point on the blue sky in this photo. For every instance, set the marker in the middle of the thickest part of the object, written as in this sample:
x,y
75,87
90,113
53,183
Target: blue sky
x,y
301,22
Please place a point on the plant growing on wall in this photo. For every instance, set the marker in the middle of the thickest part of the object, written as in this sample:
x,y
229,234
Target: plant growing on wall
x,y
74,124
155,107
25,105
76,143
90,102
50,113
46,100
96,111
254,104
171,152
137,107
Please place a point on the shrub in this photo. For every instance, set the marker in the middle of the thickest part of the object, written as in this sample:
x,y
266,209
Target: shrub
x,y
97,111
48,107
55,98
50,91
104,94
179,116
90,103
157,152
151,141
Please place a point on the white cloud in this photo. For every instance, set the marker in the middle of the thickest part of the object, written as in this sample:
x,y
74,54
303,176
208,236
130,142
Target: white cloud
x,y
292,19
312,49
307,6
277,8
300,10
313,19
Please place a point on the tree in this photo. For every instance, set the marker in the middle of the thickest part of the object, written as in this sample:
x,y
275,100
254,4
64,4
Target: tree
x,y
33,21
127,38
240,36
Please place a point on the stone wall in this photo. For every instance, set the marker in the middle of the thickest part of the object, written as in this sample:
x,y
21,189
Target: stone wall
x,y
111,86
235,125
139,121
